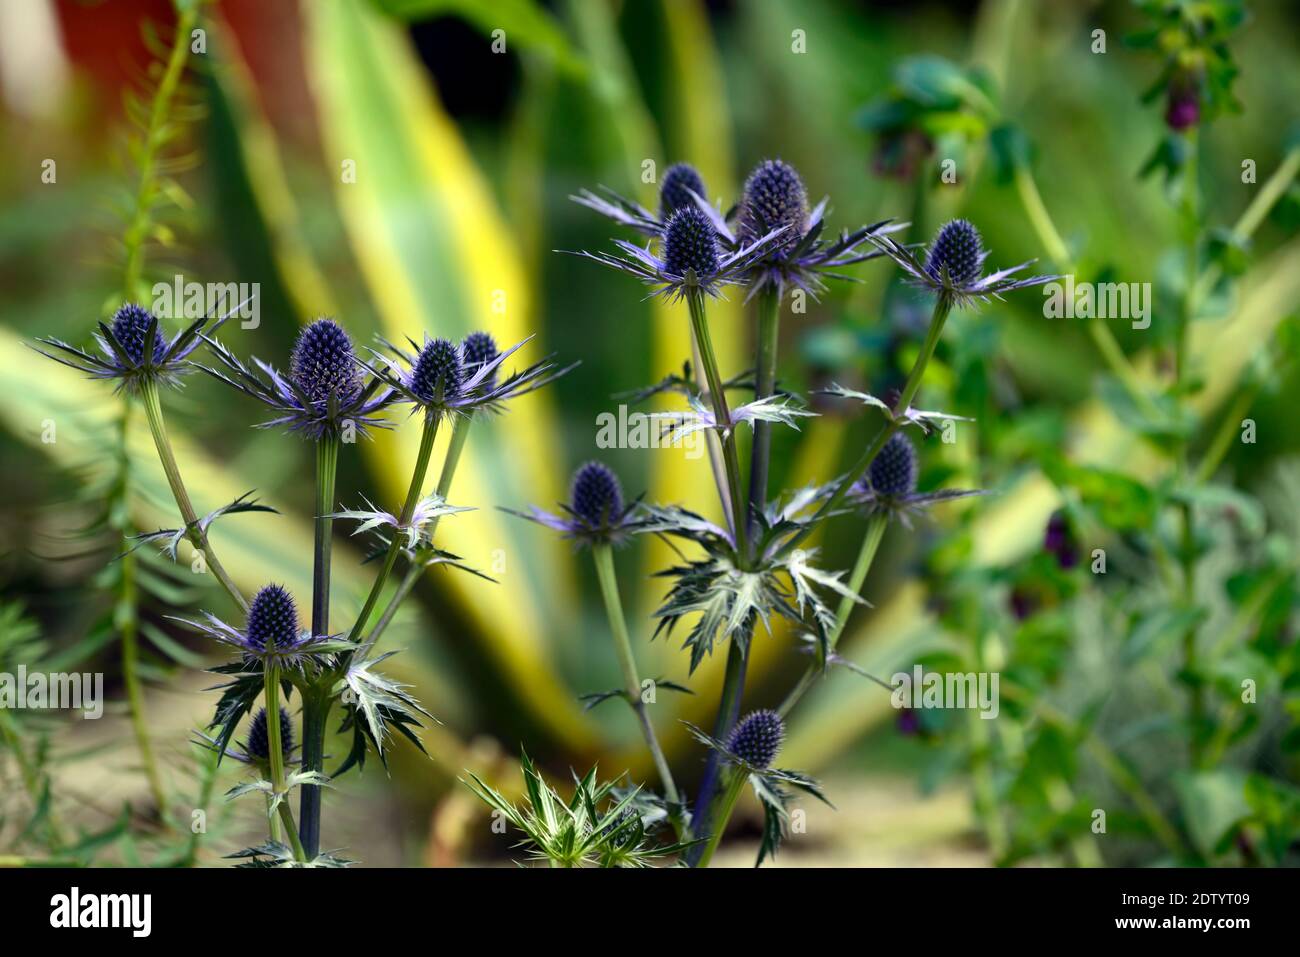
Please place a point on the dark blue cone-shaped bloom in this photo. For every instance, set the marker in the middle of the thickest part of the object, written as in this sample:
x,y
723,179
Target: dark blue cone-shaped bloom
x,y
596,494
130,326
324,392
271,635
443,380
953,268
774,198
323,364
479,349
957,251
259,738
757,738
595,512
134,350
690,244
436,374
272,618
893,470
681,184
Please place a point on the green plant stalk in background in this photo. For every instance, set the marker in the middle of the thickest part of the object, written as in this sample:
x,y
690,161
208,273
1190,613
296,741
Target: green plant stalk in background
x,y
317,700
603,557
427,436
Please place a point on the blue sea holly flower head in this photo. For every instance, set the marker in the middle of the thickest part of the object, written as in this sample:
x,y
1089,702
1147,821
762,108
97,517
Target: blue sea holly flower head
x,y
595,513
442,379
889,486
775,200
953,267
324,392
751,749
680,186
271,635
690,256
133,348
259,739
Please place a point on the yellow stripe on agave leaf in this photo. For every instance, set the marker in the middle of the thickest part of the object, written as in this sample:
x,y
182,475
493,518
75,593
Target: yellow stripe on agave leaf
x,y
255,548
436,257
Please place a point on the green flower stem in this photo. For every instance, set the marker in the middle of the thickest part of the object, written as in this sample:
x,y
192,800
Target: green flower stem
x,y
942,306
275,746
733,685
866,555
769,324
317,701
603,556
730,796
197,536
712,443
427,436
459,433
700,323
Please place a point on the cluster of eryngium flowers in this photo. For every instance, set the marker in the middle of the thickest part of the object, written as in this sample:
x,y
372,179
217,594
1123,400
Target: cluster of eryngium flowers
x,y
751,567
329,395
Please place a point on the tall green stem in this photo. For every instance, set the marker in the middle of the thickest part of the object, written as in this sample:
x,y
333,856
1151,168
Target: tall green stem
x,y
718,396
938,317
271,688
196,535
866,555
427,436
726,805
316,702
603,555
769,323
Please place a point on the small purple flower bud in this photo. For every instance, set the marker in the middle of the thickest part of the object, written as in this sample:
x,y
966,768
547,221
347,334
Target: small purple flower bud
x,y
322,363
774,197
272,619
757,738
437,373
259,738
1058,539
596,496
893,470
477,349
1184,108
130,323
958,249
690,242
680,180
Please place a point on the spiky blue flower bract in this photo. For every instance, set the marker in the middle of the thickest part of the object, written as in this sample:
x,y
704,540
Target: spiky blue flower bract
x,y
679,182
259,738
272,619
322,363
596,496
774,198
437,373
757,738
478,349
691,243
957,249
893,470
130,323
